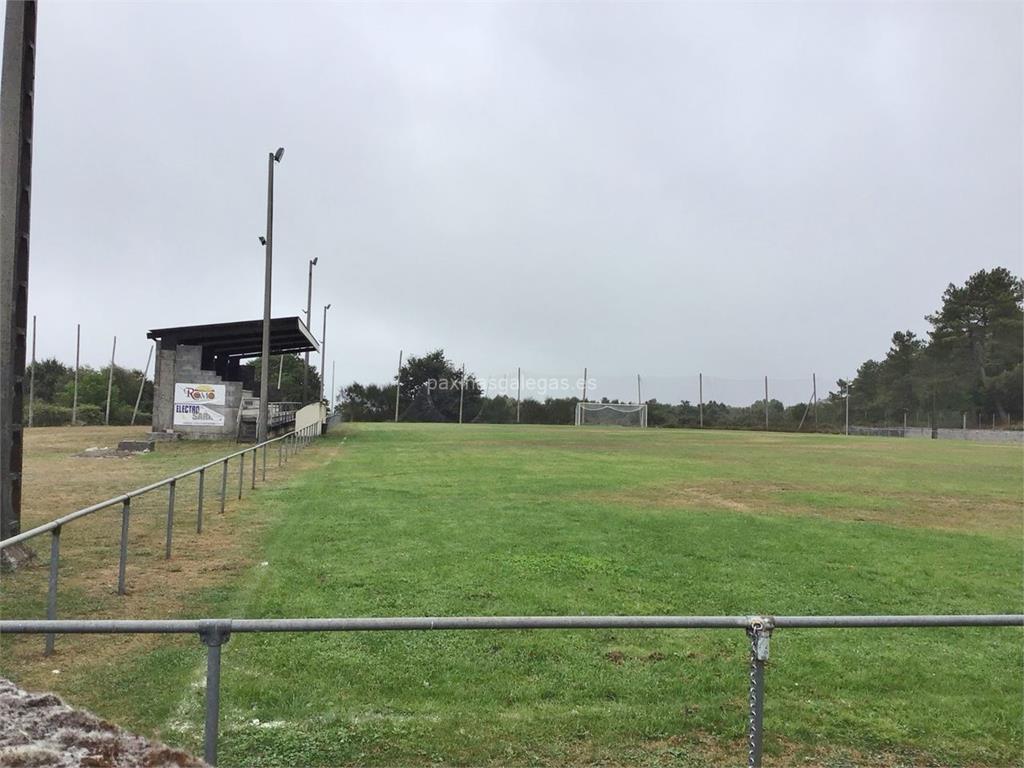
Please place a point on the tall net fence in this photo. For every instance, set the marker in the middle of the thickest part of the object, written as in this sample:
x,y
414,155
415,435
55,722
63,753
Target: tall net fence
x,y
806,403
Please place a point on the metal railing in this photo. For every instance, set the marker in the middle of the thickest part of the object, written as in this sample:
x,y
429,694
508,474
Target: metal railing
x,y
287,445
278,413
214,633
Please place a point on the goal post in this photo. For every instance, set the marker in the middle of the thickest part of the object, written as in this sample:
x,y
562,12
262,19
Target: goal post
x,y
611,414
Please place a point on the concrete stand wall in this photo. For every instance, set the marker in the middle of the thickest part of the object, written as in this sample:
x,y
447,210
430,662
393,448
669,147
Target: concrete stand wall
x,y
183,364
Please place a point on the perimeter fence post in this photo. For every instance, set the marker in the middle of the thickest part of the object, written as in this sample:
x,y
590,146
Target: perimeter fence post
x,y
170,519
241,473
199,503
264,462
759,632
280,451
223,486
51,597
213,634
122,566
254,469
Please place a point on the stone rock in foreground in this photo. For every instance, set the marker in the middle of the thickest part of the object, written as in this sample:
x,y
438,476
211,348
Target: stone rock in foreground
x,y
41,730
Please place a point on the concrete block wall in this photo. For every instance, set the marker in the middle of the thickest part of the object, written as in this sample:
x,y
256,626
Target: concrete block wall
x,y
974,435
163,396
983,435
184,364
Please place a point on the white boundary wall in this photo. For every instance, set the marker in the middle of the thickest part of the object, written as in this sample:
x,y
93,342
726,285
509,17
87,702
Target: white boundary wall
x,y
307,416
1006,436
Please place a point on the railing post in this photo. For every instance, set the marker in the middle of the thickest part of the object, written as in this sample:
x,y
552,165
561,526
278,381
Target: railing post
x,y
51,597
213,634
759,632
254,469
170,519
264,462
241,474
126,510
223,486
199,501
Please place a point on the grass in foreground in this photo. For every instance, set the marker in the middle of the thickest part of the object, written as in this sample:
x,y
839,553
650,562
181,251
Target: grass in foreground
x,y
424,520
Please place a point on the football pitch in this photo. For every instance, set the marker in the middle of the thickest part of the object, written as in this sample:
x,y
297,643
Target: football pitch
x,y
390,520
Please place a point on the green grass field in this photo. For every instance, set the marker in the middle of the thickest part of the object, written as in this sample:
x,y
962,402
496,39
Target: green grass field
x,y
449,520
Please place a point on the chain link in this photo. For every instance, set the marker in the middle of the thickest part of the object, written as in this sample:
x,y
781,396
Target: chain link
x,y
754,630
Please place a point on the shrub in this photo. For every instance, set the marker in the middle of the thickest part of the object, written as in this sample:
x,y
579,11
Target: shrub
x,y
50,415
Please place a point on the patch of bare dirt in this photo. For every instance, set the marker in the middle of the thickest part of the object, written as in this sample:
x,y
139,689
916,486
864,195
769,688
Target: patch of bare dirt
x,y
909,510
41,730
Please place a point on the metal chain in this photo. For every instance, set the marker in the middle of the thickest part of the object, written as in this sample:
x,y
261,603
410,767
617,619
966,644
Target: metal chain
x,y
752,633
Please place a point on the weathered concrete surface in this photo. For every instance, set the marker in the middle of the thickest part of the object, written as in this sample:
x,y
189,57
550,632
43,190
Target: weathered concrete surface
x,y
41,730
974,435
136,446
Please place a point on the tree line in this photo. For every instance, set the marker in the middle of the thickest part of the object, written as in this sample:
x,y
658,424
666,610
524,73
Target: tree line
x,y
971,362
54,394
970,366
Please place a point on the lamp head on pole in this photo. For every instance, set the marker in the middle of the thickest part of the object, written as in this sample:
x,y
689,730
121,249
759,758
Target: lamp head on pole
x,y
263,240
314,260
279,154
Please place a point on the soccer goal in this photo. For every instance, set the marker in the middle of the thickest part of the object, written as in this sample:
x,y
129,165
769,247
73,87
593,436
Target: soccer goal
x,y
611,414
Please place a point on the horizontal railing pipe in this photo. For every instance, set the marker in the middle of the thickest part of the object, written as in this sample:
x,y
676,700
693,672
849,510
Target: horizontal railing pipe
x,y
881,622
411,623
214,633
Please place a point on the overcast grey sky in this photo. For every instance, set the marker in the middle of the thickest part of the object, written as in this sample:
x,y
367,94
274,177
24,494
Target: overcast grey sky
x,y
737,188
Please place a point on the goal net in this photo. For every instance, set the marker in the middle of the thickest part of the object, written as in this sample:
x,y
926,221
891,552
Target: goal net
x,y
611,414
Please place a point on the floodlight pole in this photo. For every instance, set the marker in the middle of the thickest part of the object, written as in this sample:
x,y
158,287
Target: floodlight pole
x,y
17,99
142,385
110,384
847,408
309,320
462,389
638,400
519,390
261,425
700,396
78,359
398,384
765,403
323,353
814,391
32,375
